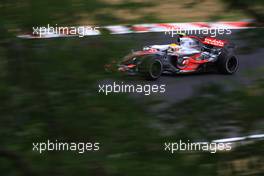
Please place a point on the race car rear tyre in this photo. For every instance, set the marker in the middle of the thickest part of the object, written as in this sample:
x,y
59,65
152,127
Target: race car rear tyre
x,y
228,65
151,68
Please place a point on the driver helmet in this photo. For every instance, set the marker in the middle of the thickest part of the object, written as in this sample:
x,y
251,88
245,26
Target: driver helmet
x,y
173,47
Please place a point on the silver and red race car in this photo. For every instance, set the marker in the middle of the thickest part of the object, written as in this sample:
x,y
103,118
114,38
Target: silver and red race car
x,y
188,54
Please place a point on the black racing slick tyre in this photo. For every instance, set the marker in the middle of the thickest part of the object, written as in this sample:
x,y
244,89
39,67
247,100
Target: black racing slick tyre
x,y
228,65
151,68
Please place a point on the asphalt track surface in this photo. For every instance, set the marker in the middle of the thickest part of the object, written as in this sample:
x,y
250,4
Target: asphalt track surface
x,y
180,87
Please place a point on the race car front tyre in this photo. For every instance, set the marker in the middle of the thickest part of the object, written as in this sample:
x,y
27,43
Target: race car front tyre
x,y
151,68
228,65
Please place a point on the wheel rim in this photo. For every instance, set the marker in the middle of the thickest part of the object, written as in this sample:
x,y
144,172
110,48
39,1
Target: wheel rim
x,y
155,69
232,64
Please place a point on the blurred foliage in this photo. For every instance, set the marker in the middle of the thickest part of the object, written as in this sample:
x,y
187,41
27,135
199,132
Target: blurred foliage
x,y
48,90
254,8
28,13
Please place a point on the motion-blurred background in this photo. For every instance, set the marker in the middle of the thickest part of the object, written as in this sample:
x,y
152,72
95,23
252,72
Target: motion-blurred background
x,y
48,90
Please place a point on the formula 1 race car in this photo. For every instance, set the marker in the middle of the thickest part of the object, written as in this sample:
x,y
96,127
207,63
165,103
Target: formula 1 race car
x,y
188,54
